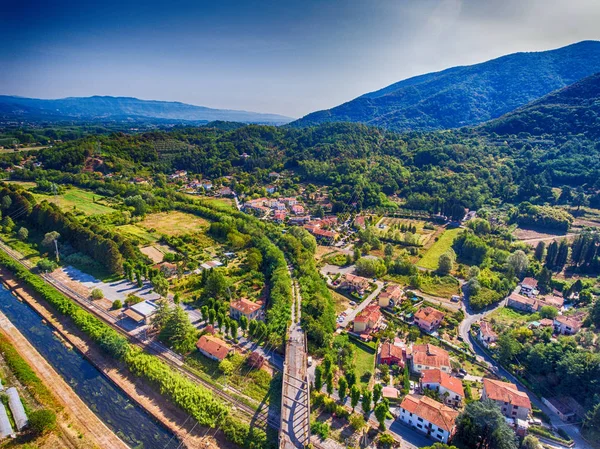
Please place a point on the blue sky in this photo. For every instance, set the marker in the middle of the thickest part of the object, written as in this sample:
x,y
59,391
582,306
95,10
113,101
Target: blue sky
x,y
289,57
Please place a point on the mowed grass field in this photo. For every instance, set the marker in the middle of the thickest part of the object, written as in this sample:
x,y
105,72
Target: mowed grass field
x,y
444,243
173,223
76,199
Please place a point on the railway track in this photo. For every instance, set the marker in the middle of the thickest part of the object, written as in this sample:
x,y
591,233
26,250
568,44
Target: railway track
x,y
171,358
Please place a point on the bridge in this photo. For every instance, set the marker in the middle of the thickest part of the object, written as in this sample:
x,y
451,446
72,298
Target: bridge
x,y
295,398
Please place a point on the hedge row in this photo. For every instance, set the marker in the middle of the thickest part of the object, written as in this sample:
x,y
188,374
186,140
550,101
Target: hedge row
x,y
196,400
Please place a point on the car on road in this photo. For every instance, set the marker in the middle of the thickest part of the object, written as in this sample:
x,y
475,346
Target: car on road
x,y
352,303
455,298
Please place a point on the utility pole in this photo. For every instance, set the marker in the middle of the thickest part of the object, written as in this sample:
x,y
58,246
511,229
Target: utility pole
x,y
56,248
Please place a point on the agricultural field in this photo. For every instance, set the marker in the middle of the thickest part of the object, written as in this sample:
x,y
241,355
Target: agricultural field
x,y
173,223
390,228
141,235
156,252
444,243
75,199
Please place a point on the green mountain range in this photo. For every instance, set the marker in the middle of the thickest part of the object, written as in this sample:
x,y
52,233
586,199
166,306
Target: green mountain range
x,y
469,95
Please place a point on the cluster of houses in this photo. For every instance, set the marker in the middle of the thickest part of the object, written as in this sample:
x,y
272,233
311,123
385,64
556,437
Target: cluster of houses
x,y
323,229
437,418
278,209
216,349
200,185
529,300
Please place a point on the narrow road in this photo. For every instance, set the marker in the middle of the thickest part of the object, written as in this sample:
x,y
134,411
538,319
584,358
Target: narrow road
x,y
464,330
295,397
350,316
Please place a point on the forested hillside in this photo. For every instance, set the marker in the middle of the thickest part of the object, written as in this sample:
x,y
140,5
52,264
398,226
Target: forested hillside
x,y
468,95
569,111
364,167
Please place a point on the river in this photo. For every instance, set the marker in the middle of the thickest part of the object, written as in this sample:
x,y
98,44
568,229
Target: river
x,y
131,423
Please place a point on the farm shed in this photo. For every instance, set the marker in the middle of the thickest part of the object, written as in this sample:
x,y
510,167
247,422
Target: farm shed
x,y
16,407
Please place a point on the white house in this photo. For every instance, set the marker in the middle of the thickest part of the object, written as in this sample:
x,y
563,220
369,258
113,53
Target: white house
x,y
450,388
428,416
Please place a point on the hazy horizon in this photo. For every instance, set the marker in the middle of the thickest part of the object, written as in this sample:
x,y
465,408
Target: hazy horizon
x,y
287,58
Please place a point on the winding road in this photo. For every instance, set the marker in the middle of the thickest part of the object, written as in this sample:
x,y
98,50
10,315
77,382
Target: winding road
x,y
464,331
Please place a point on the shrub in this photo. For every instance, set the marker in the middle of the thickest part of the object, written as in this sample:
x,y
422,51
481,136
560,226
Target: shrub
x,y
42,421
320,428
117,304
97,294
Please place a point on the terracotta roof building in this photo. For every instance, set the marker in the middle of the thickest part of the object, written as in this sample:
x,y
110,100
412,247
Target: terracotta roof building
x,y
368,319
391,354
391,293
428,416
568,325
355,283
428,318
213,347
450,388
512,402
249,309
429,356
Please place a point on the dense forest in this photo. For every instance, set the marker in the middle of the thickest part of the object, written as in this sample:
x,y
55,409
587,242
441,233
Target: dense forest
x,y
362,166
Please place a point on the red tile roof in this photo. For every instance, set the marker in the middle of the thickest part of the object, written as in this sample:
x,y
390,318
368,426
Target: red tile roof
x,y
369,314
506,392
244,306
433,411
392,291
530,282
213,346
430,355
429,314
388,350
436,376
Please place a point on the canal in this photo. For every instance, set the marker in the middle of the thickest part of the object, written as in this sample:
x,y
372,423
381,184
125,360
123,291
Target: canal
x,y
131,423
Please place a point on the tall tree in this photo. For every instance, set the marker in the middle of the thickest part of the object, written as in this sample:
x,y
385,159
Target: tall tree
x,y
342,388
367,397
381,412
482,426
539,251
354,396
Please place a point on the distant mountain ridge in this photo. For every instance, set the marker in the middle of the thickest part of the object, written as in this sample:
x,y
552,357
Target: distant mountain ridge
x,y
466,95
99,108
574,109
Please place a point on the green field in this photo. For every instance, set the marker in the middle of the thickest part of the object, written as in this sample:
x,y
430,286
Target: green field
x,y
75,199
506,316
138,233
431,257
443,286
364,361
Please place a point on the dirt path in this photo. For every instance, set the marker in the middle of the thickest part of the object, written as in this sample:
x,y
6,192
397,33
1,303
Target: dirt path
x,y
170,416
83,416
